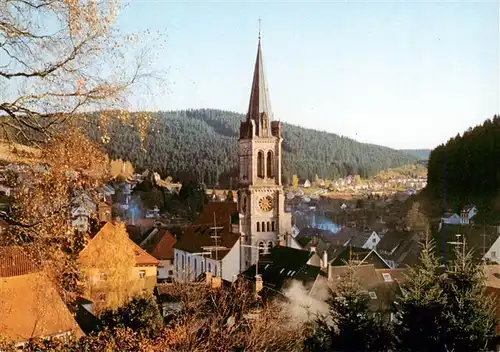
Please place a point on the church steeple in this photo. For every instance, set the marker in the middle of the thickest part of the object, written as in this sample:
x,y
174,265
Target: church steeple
x,y
259,108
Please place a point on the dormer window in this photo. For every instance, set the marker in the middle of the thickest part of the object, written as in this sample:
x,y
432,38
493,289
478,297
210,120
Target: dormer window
x,y
373,295
387,277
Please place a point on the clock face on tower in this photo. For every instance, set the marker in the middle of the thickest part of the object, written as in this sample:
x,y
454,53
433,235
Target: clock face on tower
x,y
266,203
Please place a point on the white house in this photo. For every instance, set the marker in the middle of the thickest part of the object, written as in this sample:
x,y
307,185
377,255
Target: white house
x,y
205,249
220,261
453,219
366,240
493,253
83,209
160,244
467,214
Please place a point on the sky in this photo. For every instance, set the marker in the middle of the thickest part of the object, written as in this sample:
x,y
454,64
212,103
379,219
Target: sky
x,y
404,74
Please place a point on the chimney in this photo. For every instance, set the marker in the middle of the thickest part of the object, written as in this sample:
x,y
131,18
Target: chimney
x,y
216,282
208,277
282,240
325,259
258,284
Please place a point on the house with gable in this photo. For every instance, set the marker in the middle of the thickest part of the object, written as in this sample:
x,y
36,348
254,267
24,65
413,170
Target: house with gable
x,y
493,252
82,210
160,244
364,239
143,276
400,248
30,305
211,244
382,287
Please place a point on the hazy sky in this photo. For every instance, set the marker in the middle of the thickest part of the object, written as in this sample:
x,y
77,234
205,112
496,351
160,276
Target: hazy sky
x,y
401,74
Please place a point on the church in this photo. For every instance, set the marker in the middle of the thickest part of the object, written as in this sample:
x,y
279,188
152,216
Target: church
x,y
228,236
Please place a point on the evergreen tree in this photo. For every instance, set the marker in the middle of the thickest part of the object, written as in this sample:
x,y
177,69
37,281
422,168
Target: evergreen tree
x,y
469,318
351,326
420,327
445,312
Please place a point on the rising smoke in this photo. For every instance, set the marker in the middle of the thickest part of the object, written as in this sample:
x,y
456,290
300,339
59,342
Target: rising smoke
x,y
307,303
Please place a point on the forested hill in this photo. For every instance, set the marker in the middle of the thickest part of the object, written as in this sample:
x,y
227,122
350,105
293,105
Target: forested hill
x,y
467,166
421,154
202,145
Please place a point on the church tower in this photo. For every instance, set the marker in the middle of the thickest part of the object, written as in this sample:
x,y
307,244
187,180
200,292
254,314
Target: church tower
x,y
261,199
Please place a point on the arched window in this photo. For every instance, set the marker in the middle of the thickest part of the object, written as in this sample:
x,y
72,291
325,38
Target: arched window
x,y
270,171
261,247
263,226
269,245
272,226
260,164
268,226
258,226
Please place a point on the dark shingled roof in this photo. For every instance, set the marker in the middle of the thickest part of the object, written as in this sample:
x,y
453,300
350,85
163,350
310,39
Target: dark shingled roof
x,y
391,240
198,235
359,256
282,265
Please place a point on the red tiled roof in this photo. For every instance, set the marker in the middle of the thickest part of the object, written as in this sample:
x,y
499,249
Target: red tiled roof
x,y
15,261
198,235
32,307
162,245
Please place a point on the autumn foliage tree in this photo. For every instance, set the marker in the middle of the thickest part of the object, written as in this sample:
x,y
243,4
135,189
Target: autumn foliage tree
x,y
53,53
108,266
42,195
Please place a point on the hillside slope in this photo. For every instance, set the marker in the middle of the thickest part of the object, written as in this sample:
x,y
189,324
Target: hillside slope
x,y
202,145
421,154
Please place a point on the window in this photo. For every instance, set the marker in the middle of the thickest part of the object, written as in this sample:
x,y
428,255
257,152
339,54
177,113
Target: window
x,y
261,247
267,266
263,224
270,165
101,296
493,254
272,226
189,262
289,272
195,266
293,273
281,271
260,164
258,226
373,295
142,274
170,272
268,226
182,262
387,277
269,245
209,268
374,240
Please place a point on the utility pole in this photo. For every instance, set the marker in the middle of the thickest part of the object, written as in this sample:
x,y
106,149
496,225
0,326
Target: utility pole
x,y
215,237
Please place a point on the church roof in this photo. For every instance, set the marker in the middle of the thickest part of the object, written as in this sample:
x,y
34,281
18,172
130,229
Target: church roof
x,y
259,95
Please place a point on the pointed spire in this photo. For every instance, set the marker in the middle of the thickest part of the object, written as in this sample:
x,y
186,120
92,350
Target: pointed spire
x,y
259,108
